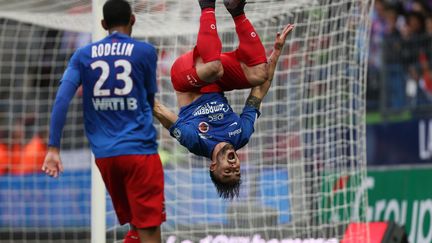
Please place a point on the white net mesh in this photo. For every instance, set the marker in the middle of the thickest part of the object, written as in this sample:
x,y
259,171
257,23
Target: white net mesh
x,y
154,17
301,170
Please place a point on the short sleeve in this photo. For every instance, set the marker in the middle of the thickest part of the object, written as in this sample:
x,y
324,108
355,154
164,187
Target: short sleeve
x,y
151,60
72,72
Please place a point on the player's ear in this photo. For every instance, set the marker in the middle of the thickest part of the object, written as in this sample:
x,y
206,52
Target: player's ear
x,y
213,166
132,20
104,24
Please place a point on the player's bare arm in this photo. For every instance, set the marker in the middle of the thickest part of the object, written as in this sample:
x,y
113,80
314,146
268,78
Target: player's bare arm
x,y
164,115
258,92
253,101
277,49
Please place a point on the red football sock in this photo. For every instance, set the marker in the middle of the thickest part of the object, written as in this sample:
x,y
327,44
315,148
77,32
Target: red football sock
x,y
251,50
208,43
131,237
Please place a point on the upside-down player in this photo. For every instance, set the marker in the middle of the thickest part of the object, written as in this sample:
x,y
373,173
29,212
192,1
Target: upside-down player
x,y
118,75
206,124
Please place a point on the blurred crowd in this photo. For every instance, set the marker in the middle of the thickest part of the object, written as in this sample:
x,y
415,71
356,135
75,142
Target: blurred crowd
x,y
24,152
400,56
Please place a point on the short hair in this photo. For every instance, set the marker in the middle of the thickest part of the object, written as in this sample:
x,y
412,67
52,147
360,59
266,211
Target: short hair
x,y
226,190
117,13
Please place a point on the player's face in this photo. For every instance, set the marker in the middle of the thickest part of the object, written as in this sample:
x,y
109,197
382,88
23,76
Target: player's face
x,y
228,164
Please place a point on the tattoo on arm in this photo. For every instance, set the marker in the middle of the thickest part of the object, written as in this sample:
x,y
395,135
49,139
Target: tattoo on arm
x,y
253,101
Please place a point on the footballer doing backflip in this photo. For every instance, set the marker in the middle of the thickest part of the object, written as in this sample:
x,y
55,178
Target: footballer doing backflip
x,y
206,123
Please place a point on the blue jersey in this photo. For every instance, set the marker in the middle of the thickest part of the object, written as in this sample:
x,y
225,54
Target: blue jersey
x,y
117,74
210,120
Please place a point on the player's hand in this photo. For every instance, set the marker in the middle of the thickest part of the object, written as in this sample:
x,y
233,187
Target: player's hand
x,y
52,165
281,37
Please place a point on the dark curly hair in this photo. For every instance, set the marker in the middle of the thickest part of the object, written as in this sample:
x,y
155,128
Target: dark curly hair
x,y
228,190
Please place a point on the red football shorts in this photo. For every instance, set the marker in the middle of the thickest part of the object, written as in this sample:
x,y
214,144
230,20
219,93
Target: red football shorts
x,y
136,186
184,77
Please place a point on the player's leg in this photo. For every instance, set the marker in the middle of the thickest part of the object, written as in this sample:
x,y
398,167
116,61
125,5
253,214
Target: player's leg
x,y
112,175
251,52
132,235
201,66
145,195
209,47
150,235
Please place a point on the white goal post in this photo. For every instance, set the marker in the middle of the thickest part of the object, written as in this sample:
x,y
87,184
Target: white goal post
x,y
302,170
98,207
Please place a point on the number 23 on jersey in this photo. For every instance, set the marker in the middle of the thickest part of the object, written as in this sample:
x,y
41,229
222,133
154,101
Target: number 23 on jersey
x,y
103,103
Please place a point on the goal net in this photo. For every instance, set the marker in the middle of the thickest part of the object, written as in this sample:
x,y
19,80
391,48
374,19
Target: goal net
x,y
302,171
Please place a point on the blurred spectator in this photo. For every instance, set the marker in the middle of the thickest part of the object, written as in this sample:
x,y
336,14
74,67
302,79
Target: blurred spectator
x,y
375,54
400,56
15,146
418,6
377,34
31,156
394,75
4,156
416,46
20,157
428,25
425,82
